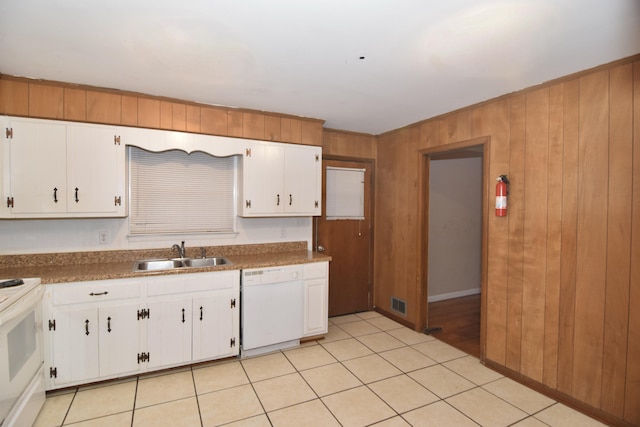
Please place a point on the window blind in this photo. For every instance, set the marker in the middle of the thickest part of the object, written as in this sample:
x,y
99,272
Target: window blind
x,y
176,192
345,193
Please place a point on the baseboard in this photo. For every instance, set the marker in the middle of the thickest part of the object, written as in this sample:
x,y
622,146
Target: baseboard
x,y
450,295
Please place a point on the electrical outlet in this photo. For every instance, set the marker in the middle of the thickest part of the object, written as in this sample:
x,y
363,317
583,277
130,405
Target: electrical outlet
x,y
103,237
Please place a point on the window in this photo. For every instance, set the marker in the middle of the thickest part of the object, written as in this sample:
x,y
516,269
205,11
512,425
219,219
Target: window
x,y
176,192
345,193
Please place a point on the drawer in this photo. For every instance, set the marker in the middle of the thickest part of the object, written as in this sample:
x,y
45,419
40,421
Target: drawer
x,y
316,270
95,291
194,282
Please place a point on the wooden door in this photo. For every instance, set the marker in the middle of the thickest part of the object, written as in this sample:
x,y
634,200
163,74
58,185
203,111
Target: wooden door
x,y
349,243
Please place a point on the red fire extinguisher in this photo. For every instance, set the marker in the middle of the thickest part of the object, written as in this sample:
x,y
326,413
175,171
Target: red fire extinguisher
x,y
502,191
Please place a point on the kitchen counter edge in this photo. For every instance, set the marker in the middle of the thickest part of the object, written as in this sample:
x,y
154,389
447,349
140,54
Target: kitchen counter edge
x,y
68,273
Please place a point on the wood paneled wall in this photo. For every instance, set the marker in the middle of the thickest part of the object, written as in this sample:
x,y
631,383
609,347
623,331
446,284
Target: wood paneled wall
x,y
349,144
61,101
563,268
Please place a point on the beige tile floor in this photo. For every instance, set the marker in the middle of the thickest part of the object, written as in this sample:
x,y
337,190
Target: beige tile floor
x,y
369,370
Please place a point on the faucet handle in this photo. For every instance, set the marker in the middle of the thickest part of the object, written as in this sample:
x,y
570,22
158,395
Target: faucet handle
x,y
203,252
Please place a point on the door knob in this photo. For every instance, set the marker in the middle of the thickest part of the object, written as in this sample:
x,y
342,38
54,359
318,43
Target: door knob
x,y
320,248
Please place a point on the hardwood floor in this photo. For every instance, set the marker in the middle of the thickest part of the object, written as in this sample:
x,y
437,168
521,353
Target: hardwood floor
x,y
459,319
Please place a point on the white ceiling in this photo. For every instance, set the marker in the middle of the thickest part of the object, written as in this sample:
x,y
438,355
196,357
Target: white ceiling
x,y
361,65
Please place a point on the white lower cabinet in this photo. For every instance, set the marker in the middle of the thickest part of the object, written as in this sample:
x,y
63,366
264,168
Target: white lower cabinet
x,y
92,331
213,327
110,328
75,351
316,299
119,339
171,318
200,315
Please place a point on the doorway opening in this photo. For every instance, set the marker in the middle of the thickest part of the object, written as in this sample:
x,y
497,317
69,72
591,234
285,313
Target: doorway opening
x,y
453,243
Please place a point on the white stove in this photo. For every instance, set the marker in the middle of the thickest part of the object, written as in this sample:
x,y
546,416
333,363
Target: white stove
x,y
21,354
13,292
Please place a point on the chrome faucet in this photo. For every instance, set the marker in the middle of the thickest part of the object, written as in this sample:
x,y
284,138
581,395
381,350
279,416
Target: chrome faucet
x,y
180,249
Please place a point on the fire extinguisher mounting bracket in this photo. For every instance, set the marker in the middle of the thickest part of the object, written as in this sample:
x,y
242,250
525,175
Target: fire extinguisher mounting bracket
x,y
503,178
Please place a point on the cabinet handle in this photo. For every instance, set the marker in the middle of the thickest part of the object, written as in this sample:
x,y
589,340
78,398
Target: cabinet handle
x,y
97,294
290,199
86,327
109,324
278,203
77,200
55,194
183,315
201,313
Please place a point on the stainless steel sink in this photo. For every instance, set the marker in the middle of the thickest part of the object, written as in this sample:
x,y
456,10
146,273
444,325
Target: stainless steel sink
x,y
170,264
205,262
157,264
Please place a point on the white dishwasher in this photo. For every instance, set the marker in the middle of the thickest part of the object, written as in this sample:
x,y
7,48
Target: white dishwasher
x,y
272,309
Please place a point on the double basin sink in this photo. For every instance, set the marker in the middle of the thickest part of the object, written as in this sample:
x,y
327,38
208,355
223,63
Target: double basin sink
x,y
173,263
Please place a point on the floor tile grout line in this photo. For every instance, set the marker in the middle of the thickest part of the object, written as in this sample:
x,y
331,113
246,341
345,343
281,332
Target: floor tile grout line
x,y
318,397
264,410
521,409
442,399
342,363
135,397
66,414
402,372
195,391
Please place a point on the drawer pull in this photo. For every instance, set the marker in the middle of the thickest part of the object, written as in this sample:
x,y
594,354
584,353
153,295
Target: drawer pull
x,y
97,294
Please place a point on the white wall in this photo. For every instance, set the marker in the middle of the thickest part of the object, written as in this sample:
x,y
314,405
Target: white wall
x,y
455,228
72,235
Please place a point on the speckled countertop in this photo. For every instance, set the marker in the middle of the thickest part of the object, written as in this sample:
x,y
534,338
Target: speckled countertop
x,y
85,266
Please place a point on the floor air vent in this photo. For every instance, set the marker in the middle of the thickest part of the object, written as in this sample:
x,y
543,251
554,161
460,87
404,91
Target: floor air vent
x,y
399,306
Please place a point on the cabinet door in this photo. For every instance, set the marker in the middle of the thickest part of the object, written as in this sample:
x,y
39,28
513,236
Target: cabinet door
x,y
169,332
34,168
303,180
263,175
119,339
95,176
315,307
75,345
214,334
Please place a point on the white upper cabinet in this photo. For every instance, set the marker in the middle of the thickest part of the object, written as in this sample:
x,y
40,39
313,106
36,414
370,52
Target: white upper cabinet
x,y
53,169
34,168
95,171
280,180
58,169
302,180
